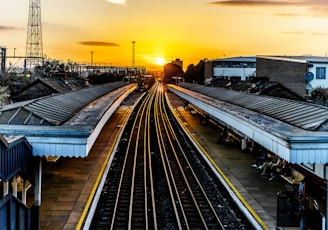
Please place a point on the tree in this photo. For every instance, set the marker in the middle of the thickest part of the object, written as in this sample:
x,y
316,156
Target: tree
x,y
195,74
320,96
172,70
4,95
103,78
11,84
53,67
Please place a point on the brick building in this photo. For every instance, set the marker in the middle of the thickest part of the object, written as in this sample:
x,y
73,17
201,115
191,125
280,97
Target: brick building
x,y
300,74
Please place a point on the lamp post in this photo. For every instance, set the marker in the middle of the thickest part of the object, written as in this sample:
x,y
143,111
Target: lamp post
x,y
133,53
91,58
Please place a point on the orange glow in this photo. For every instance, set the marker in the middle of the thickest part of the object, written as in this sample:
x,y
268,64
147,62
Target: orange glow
x,y
160,61
165,30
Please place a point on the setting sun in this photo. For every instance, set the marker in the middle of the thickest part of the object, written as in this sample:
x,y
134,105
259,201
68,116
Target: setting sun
x,y
160,61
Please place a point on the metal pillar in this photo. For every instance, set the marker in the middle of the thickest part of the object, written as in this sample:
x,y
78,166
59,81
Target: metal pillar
x,y
91,64
37,193
133,53
327,208
24,192
15,186
5,188
3,59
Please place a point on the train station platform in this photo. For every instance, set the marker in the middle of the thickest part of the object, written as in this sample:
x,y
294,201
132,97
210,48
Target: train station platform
x,y
68,183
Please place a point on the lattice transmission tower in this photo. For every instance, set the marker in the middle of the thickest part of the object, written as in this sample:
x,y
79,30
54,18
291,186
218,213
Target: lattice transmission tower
x,y
34,46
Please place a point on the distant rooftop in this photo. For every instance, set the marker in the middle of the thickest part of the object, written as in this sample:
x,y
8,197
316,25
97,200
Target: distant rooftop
x,y
237,59
301,59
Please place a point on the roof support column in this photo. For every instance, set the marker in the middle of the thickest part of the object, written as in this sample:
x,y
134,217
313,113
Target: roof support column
x,y
5,188
14,186
24,191
38,177
326,227
37,192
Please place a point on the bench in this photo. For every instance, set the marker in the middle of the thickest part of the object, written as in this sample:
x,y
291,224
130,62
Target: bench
x,y
295,177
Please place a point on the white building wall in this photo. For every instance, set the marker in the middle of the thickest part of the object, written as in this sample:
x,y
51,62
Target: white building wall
x,y
227,72
315,83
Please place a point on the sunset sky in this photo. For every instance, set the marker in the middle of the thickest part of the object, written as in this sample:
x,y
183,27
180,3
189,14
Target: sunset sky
x,y
164,30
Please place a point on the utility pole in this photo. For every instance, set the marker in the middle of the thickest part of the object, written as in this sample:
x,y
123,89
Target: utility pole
x,y
133,54
91,58
34,46
3,54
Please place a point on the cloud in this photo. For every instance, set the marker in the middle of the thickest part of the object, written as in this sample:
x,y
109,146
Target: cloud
x,y
302,33
7,28
315,8
320,34
288,15
293,32
313,4
97,43
120,2
252,3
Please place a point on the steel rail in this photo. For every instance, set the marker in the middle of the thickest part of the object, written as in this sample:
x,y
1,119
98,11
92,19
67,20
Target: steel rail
x,y
136,154
152,183
200,186
147,147
167,170
172,136
170,132
124,166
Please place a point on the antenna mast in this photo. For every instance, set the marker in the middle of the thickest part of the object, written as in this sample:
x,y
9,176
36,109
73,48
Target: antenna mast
x,y
133,54
34,47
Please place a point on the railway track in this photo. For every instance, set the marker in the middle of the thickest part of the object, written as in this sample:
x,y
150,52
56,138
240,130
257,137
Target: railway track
x,y
157,180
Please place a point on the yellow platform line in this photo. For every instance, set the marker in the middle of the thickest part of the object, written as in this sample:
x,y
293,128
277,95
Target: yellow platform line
x,y
226,179
103,167
96,184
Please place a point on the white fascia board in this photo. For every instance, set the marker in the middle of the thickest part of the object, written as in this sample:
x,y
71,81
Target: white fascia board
x,y
96,131
260,136
59,148
293,144
52,140
64,141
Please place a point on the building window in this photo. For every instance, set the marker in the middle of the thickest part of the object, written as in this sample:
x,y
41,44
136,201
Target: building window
x,y
309,166
321,73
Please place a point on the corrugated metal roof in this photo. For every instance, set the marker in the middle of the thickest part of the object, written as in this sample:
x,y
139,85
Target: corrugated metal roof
x,y
55,109
304,115
298,136
64,124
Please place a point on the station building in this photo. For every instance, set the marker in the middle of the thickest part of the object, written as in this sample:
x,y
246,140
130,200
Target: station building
x,y
242,68
301,74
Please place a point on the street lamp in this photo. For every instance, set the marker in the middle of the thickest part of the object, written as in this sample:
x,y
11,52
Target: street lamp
x,y
91,58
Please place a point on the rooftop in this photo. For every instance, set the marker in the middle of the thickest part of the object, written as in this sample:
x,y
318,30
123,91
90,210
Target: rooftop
x,y
300,59
64,124
304,115
237,59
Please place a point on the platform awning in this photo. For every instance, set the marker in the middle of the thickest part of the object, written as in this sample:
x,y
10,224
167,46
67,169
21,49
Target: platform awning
x,y
73,131
290,142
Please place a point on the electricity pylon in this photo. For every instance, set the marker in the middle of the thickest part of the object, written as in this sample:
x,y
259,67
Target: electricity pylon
x,y
34,46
